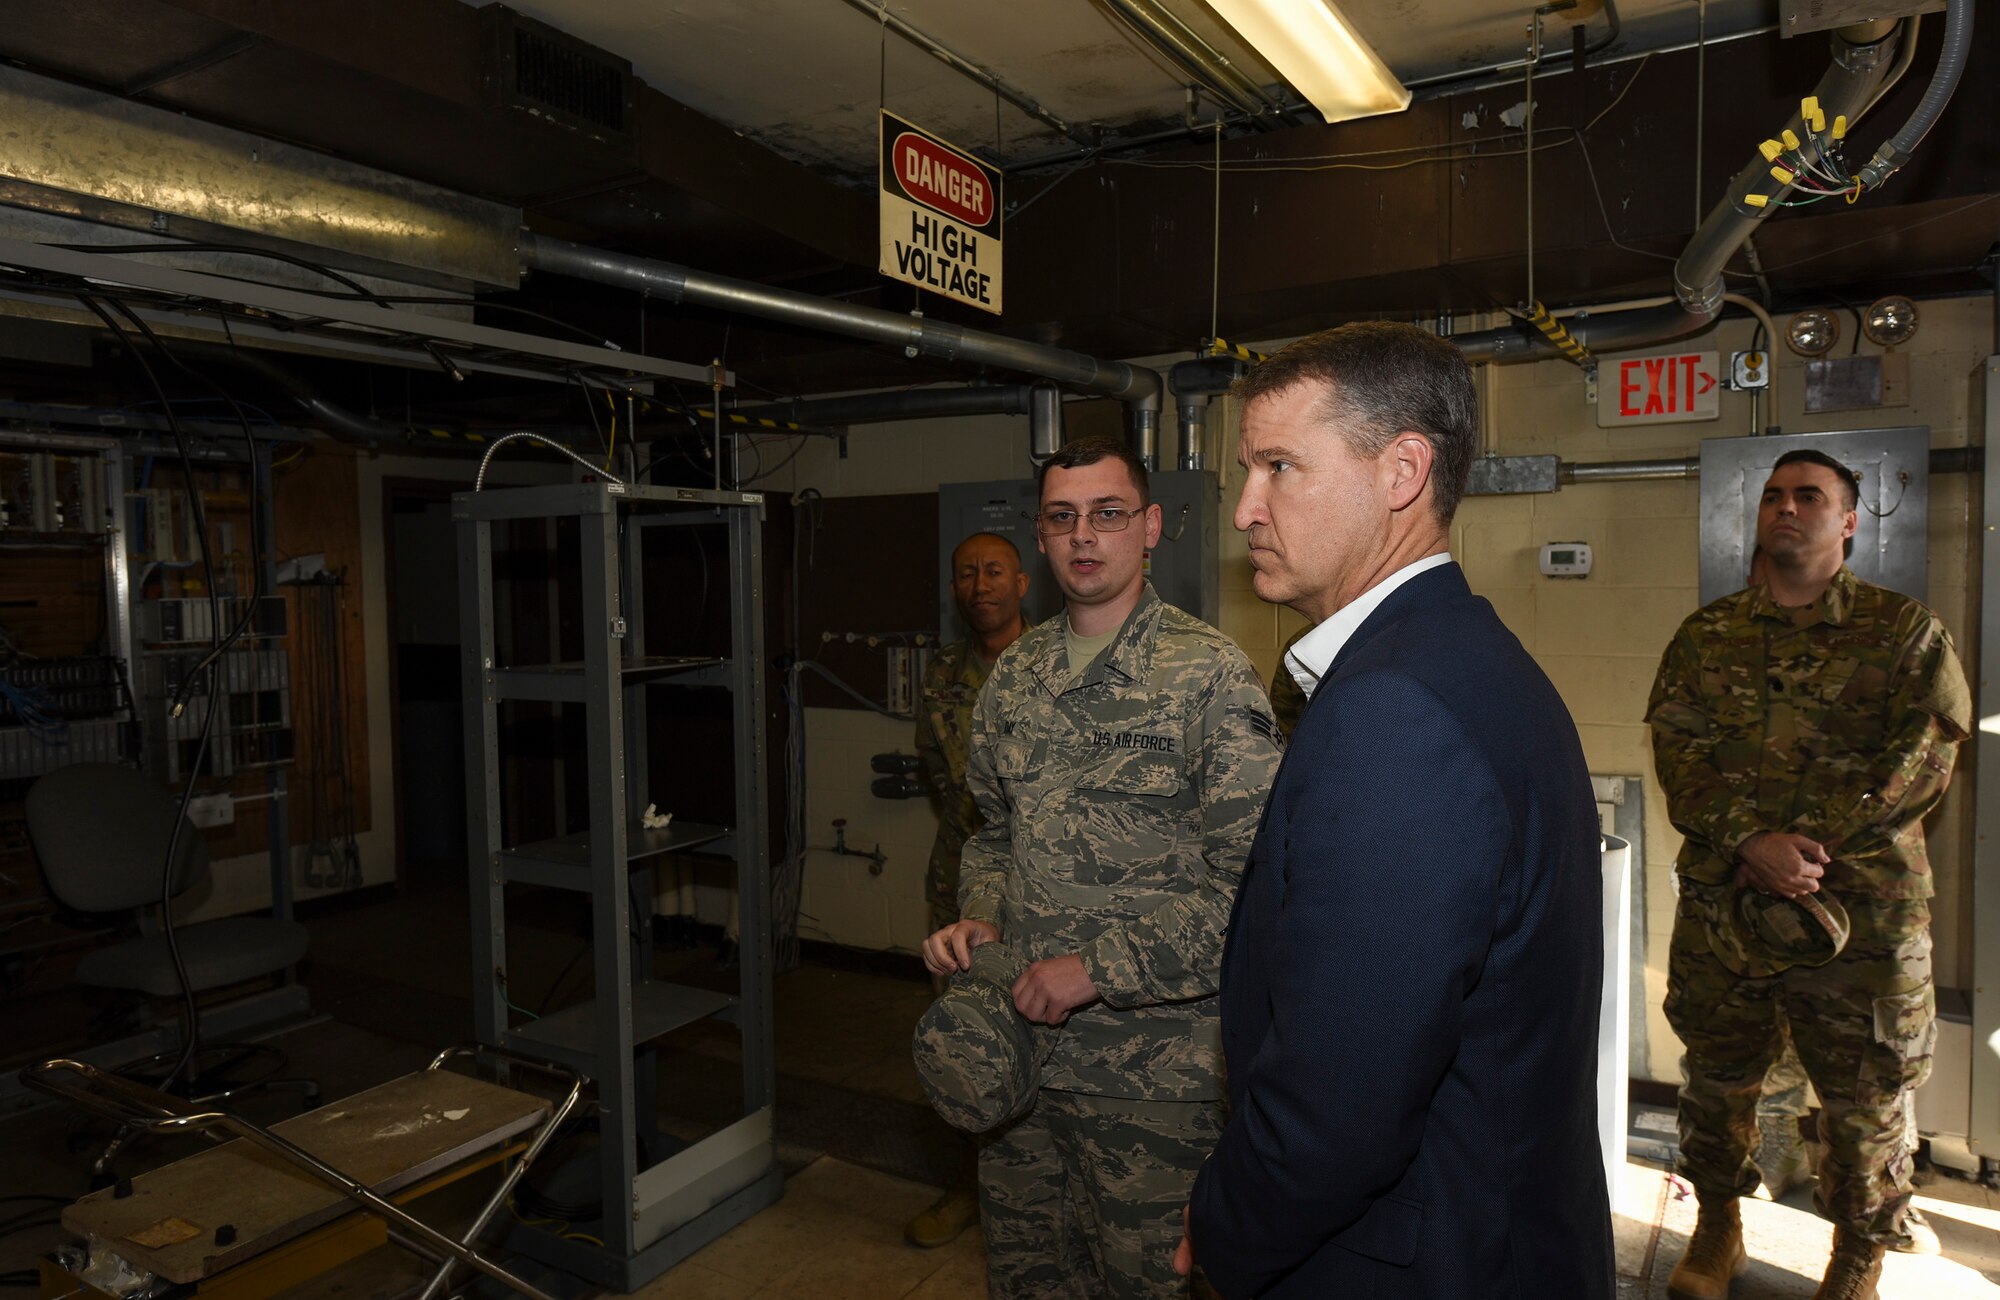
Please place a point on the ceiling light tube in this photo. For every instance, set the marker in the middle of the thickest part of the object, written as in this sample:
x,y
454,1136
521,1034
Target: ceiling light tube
x,y
1314,47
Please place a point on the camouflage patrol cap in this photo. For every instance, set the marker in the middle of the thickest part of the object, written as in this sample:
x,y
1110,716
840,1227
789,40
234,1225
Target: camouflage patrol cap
x,y
1759,934
978,1058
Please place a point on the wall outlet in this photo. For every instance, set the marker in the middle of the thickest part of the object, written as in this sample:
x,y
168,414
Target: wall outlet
x,y
212,810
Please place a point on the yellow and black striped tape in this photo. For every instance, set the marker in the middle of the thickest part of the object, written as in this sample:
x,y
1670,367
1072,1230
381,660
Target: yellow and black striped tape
x,y
1224,348
748,421
1552,329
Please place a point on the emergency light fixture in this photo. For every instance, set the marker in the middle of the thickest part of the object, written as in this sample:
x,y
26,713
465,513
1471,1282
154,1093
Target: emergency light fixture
x,y
1315,48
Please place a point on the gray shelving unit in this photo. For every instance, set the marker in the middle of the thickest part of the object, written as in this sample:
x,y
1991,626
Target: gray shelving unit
x,y
653,1215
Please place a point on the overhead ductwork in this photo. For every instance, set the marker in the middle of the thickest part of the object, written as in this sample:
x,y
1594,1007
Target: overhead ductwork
x,y
1137,386
1193,383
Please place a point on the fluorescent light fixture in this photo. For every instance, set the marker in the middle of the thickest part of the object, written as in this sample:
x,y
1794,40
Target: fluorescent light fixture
x,y
1315,48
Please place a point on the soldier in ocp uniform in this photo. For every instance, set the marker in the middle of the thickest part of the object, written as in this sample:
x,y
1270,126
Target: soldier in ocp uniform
x,y
1802,729
1121,755
988,585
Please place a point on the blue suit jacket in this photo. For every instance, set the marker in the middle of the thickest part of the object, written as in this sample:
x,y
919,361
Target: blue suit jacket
x,y
1410,988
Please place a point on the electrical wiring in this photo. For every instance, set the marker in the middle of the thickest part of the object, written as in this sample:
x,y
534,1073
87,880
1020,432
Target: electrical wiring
x,y
613,445
590,409
479,481
766,473
190,1009
1961,209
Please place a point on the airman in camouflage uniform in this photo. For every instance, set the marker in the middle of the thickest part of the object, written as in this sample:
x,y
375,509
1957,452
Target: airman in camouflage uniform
x,y
987,584
1830,726
944,743
1119,795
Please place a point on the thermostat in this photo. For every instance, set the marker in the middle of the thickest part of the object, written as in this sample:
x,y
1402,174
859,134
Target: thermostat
x,y
1566,559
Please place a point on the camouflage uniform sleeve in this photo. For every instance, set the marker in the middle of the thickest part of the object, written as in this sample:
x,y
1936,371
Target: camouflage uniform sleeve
x,y
1702,802
1930,710
1174,952
931,762
984,861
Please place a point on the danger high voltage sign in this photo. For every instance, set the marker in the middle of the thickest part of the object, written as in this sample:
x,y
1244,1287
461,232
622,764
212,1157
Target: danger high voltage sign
x,y
940,216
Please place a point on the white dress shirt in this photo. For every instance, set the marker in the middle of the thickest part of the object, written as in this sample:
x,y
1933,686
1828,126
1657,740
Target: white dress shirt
x,y
1314,653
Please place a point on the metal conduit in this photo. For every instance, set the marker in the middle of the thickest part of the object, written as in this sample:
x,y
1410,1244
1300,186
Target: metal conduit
x,y
1137,386
1943,460
1623,471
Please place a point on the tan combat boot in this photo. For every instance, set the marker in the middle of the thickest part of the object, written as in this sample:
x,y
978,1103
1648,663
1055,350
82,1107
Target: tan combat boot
x,y
949,1215
1714,1255
1853,1271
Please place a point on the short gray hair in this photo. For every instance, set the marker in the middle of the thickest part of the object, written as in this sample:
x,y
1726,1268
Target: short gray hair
x,y
1379,379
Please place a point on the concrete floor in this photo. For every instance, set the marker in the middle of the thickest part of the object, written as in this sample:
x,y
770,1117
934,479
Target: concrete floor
x,y
861,1151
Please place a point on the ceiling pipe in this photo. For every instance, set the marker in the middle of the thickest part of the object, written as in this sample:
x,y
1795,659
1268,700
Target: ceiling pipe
x,y
1862,59
1613,26
1045,422
1138,387
967,68
1193,383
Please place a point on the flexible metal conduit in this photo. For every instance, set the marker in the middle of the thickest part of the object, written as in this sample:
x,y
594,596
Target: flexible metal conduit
x,y
1138,387
1862,59
1896,150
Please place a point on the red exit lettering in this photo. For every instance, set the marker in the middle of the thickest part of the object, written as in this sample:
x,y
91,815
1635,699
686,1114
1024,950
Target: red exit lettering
x,y
1661,385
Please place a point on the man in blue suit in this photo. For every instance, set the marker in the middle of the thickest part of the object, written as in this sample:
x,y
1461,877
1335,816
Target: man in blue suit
x,y
1410,987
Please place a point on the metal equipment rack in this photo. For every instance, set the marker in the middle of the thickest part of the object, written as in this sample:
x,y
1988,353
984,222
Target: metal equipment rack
x,y
653,1216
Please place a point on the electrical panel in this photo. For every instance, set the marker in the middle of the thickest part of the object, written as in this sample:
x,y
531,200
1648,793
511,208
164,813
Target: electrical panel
x,y
254,696
52,494
54,712
1891,543
179,620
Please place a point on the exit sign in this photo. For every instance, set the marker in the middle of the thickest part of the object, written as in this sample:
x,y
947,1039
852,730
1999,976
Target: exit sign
x,y
1658,388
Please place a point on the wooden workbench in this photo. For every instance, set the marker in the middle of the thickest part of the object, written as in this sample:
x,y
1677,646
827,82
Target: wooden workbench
x,y
386,1138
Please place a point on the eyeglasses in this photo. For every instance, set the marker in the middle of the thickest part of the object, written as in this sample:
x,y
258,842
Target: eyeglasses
x,y
1106,519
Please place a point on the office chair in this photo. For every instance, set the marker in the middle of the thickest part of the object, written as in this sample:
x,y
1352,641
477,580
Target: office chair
x,y
100,831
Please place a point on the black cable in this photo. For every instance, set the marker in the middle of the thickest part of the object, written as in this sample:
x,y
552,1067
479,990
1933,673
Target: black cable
x,y
794,455
590,408
189,1005
555,988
